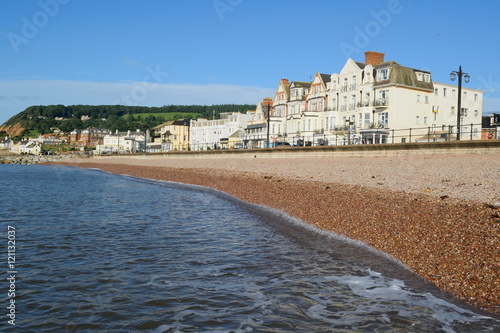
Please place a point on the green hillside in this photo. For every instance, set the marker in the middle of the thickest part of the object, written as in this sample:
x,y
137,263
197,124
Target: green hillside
x,y
45,118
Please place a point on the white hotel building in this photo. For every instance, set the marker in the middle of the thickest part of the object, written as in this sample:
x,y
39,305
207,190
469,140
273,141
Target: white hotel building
x,y
372,102
226,132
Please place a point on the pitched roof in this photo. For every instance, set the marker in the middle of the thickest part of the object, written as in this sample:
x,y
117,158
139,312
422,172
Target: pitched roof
x,y
404,76
236,134
326,78
299,84
178,122
361,65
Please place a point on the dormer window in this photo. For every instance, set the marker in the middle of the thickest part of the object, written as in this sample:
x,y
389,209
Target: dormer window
x,y
383,74
427,78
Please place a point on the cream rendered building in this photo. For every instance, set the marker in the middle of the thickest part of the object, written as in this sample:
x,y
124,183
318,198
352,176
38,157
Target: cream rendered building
x,y
255,135
174,135
374,102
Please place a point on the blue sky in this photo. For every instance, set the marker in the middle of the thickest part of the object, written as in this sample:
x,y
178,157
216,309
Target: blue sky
x,y
159,52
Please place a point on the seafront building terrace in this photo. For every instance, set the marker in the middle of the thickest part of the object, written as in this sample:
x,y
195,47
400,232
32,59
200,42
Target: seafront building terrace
x,y
374,101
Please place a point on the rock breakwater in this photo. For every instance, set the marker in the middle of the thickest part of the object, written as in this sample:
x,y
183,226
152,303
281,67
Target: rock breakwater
x,y
30,159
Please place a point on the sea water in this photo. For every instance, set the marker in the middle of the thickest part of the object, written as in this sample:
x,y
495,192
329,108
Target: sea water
x,y
96,252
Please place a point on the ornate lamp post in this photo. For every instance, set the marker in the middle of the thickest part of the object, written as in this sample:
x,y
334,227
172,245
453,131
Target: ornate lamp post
x,y
453,76
268,124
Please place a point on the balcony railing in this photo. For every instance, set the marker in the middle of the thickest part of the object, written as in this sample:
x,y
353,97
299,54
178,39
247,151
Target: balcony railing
x,y
382,124
382,102
297,98
363,104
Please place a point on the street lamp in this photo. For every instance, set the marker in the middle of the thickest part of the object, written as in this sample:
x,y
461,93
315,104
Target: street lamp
x,y
268,123
453,76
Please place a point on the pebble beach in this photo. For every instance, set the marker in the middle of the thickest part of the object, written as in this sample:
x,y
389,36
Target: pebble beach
x,y
439,214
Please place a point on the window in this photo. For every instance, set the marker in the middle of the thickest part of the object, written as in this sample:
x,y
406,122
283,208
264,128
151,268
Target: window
x,y
367,118
452,110
436,91
425,120
444,92
453,93
417,120
427,78
418,98
426,98
384,119
333,122
465,95
476,113
476,97
419,76
383,74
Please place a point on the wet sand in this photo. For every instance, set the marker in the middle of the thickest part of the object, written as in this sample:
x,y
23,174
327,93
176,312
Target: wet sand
x,y
437,214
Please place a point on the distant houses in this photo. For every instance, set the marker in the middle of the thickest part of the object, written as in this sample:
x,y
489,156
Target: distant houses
x,y
87,137
5,143
124,142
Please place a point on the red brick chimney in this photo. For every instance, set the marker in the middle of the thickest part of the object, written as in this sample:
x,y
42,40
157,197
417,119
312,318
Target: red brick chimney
x,y
283,80
374,58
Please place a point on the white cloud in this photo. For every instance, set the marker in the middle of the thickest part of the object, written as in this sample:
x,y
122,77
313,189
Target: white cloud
x,y
18,95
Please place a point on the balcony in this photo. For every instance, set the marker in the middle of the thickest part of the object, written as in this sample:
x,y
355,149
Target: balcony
x,y
380,124
363,104
297,98
384,102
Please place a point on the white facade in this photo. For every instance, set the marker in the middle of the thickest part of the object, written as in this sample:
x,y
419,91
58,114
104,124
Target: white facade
x,y
207,134
27,147
124,142
5,143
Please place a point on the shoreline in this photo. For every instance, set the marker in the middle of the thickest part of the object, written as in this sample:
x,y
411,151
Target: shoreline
x,y
449,240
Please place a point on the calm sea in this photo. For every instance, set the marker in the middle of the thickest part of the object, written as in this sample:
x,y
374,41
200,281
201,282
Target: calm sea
x,y
96,252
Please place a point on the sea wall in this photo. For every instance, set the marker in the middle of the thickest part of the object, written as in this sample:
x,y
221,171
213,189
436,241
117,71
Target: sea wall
x,y
396,149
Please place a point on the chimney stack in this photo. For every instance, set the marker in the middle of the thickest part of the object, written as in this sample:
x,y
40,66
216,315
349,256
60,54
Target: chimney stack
x,y
374,58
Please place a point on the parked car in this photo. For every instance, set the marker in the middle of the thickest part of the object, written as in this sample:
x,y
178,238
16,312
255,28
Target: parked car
x,y
281,144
